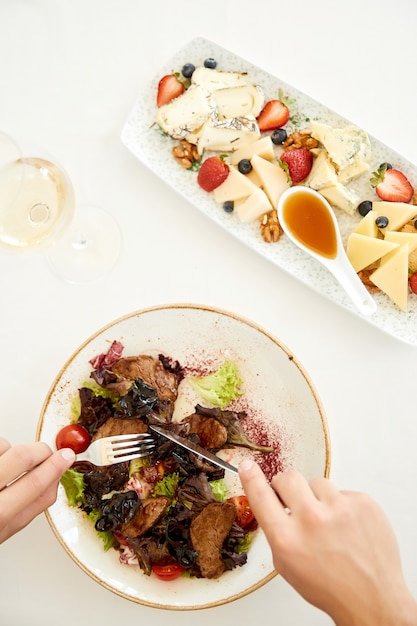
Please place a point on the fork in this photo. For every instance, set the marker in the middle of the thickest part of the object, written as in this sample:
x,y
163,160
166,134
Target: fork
x,y
118,449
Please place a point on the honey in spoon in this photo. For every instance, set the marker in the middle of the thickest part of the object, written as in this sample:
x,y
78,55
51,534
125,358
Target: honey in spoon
x,y
309,221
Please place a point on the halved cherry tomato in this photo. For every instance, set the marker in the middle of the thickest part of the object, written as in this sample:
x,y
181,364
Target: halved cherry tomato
x,y
73,436
120,538
244,514
168,572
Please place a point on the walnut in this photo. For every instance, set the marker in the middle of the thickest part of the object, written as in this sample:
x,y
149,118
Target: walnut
x,y
186,153
270,227
364,276
300,139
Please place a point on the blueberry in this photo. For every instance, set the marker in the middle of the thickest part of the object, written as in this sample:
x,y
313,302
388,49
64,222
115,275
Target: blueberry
x,y
381,221
364,207
244,166
210,63
279,136
387,166
188,70
228,206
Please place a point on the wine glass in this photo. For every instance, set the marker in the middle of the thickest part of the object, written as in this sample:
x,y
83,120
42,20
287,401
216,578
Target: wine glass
x,y
38,213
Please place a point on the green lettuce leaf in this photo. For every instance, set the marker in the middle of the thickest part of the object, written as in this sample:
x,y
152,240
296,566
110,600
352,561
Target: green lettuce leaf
x,y
73,483
220,387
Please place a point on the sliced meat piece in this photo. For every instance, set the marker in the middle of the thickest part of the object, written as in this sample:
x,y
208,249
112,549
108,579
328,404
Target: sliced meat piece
x,y
119,426
150,370
208,531
212,434
149,513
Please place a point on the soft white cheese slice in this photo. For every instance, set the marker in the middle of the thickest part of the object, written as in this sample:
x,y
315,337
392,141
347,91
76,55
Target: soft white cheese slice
x,y
344,145
273,178
341,197
239,101
363,251
392,276
211,80
226,135
186,113
253,207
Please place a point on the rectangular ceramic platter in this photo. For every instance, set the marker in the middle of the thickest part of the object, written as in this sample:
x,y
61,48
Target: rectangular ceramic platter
x,y
146,141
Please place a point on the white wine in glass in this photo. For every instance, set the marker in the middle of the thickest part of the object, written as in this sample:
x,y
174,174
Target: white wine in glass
x,y
37,212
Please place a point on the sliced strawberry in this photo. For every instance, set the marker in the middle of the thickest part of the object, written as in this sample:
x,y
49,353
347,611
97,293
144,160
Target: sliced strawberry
x,y
169,87
392,185
213,173
274,115
299,161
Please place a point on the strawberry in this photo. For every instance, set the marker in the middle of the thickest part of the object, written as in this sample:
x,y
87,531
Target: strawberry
x,y
391,185
169,87
213,173
299,162
275,114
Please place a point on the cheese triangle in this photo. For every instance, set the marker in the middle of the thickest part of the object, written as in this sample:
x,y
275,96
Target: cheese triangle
x,y
253,207
367,225
398,213
401,238
392,276
273,178
235,186
362,250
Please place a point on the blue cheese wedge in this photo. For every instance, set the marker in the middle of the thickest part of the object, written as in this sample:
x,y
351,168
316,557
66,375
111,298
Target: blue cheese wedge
x,y
322,173
344,145
341,197
185,114
352,171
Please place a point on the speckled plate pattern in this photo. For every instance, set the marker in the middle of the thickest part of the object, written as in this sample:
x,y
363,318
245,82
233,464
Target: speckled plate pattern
x,y
145,140
279,400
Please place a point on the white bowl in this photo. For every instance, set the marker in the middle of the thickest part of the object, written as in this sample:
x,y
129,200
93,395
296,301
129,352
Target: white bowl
x,y
279,398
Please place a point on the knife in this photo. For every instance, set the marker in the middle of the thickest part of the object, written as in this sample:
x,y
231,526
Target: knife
x,y
194,448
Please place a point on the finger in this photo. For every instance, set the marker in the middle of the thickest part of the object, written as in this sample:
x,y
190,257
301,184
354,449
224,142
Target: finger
x,y
293,490
26,515
324,489
19,459
268,510
33,485
4,445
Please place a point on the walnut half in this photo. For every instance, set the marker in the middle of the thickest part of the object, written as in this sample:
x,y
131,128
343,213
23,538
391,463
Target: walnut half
x,y
185,153
270,227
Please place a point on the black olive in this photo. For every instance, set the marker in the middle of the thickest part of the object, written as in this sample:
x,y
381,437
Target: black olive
x,y
364,207
381,221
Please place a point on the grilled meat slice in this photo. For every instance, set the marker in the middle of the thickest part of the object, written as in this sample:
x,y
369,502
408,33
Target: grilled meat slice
x,y
208,531
119,426
211,432
149,513
151,371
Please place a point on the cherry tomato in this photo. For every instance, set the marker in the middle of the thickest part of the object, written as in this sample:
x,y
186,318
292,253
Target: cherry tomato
x,y
244,514
73,436
120,538
168,572
413,282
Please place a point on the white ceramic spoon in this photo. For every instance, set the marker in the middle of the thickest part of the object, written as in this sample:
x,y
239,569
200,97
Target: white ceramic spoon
x,y
309,221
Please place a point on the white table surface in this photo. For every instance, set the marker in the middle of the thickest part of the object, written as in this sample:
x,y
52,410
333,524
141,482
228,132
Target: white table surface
x,y
70,72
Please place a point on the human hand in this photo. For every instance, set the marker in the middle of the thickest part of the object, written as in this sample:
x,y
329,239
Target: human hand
x,y
336,548
29,477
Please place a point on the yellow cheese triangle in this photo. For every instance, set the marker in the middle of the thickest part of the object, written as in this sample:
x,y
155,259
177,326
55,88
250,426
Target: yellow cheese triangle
x,y
235,186
253,207
273,178
398,213
262,147
392,276
402,238
367,225
362,250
